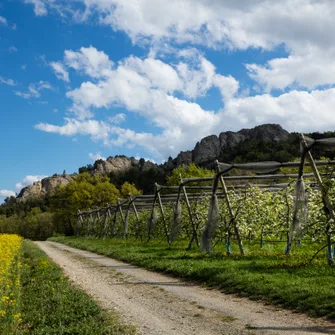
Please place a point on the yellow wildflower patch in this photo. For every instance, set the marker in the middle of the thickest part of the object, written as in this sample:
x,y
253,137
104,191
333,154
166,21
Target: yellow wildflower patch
x,y
9,282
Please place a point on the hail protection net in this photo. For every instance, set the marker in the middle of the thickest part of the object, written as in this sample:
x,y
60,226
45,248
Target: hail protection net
x,y
300,210
257,167
212,223
176,222
152,221
327,144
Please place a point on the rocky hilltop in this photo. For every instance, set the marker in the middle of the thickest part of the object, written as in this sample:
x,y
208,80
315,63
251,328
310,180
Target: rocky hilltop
x,y
204,153
213,147
45,186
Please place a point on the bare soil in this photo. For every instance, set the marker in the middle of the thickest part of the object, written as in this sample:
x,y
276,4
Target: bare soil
x,y
160,304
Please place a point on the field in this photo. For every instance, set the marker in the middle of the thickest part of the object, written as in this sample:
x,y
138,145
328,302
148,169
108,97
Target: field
x,y
264,273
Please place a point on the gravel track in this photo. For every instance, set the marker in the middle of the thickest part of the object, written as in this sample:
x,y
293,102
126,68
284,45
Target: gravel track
x,y
160,304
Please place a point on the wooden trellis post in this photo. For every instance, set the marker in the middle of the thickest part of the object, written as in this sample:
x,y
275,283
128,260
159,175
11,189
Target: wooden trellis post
x,y
157,190
125,227
326,201
137,218
107,215
230,211
122,218
150,223
114,220
189,209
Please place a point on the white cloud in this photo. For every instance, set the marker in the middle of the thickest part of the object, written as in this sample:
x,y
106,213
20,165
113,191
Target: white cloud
x,y
117,118
295,111
12,49
98,130
302,26
308,68
237,24
27,180
90,61
39,7
34,90
23,67
136,83
9,82
60,71
7,193
3,21
96,156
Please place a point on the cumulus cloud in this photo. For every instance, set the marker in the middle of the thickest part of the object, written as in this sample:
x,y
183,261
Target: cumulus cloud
x,y
96,156
27,180
9,82
3,21
98,130
264,24
12,49
7,193
295,111
60,71
34,90
40,8
117,118
90,61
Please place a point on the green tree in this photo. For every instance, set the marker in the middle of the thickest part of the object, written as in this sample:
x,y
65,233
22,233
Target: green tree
x,y
84,192
191,171
128,188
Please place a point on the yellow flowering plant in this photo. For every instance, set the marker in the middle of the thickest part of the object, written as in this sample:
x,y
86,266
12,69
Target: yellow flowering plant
x,y
9,282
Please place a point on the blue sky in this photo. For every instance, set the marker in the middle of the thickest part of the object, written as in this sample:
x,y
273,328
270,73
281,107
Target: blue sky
x,y
84,79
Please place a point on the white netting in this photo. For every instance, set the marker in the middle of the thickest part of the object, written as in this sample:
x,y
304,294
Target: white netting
x,y
257,167
327,144
212,223
300,210
176,222
152,221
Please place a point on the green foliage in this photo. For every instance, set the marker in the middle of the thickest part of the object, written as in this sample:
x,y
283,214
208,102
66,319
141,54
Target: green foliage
x,y
35,224
143,179
191,171
129,189
51,305
84,192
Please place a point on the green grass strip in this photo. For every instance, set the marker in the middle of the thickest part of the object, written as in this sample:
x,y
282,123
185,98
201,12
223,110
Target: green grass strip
x,y
263,274
51,305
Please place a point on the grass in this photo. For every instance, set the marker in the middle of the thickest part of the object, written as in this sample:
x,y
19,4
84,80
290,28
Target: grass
x,y
51,305
291,282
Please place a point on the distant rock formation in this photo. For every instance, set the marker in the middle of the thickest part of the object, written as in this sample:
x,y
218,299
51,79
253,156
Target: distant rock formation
x,y
204,153
212,147
114,164
45,186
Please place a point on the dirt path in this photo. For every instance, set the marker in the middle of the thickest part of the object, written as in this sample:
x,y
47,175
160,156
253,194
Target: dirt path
x,y
159,304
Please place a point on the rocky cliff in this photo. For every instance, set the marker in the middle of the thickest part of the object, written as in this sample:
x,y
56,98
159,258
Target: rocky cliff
x,y
204,153
45,186
213,147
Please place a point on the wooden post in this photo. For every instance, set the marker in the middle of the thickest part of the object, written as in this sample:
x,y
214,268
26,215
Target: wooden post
x,y
157,190
114,220
125,227
326,201
194,231
151,217
137,220
230,211
122,218
104,230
